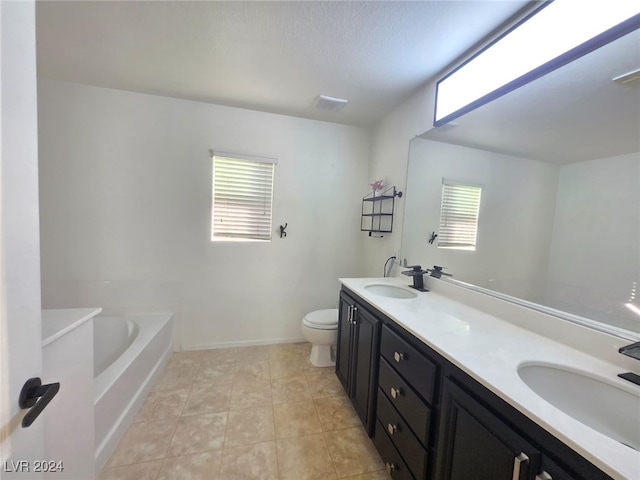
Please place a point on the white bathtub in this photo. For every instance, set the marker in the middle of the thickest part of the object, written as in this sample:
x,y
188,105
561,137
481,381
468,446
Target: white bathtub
x,y
130,351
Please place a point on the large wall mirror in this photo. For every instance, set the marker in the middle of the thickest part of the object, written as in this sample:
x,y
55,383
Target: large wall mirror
x,y
558,161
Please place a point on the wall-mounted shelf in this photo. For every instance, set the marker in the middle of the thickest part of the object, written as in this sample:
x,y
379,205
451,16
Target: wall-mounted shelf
x,y
377,211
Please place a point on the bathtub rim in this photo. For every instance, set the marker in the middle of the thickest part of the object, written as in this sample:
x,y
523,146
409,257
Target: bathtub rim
x,y
106,379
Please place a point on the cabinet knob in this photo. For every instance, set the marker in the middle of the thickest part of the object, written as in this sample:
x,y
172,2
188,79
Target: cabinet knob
x,y
390,467
396,392
398,356
517,463
392,428
544,476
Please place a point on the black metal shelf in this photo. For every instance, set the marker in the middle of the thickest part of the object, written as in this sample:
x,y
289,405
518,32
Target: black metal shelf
x,y
377,211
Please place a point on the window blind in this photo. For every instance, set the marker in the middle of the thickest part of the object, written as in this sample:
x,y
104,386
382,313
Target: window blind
x,y
459,216
242,198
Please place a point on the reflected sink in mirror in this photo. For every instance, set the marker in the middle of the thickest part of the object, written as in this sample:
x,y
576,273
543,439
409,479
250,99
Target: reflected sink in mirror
x,y
596,402
390,291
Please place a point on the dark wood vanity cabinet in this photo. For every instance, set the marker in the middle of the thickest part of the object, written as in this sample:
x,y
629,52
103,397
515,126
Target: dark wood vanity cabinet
x,y
483,437
408,383
429,419
356,356
476,444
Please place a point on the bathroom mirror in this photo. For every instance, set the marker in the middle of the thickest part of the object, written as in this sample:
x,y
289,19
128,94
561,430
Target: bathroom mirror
x,y
558,161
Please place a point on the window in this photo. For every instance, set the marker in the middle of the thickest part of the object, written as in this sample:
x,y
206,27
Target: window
x,y
459,216
242,197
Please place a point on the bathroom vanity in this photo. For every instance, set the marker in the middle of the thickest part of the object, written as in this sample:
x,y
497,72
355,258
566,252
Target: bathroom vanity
x,y
441,387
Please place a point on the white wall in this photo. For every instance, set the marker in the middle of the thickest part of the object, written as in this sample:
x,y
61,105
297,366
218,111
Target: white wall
x,y
126,197
389,157
515,219
595,249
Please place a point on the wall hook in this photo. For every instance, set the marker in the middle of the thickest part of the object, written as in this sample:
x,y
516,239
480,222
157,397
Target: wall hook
x,y
282,230
434,235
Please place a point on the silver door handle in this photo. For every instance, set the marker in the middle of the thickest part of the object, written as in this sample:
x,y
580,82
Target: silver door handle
x,y
398,356
392,428
354,319
390,467
543,476
517,463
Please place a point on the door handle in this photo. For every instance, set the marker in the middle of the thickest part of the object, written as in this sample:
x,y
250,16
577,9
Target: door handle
x,y
517,463
31,391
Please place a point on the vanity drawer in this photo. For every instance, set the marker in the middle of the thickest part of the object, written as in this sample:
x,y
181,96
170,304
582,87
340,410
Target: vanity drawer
x,y
412,408
402,437
390,456
411,364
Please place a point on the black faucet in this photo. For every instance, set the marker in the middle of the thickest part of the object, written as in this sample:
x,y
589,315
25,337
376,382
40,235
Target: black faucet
x,y
632,351
416,272
436,272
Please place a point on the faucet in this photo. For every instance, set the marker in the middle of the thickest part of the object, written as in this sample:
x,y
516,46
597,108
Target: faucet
x,y
436,272
416,272
633,351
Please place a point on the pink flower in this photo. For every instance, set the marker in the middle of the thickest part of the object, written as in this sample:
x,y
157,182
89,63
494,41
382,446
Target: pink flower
x,y
378,185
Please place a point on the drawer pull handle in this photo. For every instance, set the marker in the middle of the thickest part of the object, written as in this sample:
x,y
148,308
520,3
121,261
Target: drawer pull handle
x,y
398,356
517,463
390,467
544,476
396,392
392,428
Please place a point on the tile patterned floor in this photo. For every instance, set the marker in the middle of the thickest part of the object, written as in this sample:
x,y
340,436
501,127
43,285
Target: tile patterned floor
x,y
261,413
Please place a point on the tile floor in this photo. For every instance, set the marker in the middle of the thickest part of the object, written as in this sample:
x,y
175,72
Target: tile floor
x,y
260,413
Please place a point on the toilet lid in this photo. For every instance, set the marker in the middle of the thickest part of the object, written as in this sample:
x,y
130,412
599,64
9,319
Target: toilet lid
x,y
322,319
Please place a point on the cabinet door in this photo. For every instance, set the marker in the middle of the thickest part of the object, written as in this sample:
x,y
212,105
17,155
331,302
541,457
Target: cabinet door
x,y
474,444
343,349
366,334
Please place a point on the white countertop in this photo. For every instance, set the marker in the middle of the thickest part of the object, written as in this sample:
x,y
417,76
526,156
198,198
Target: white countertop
x,y
490,350
58,322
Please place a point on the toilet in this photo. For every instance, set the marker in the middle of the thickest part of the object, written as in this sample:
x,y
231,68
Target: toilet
x,y
320,328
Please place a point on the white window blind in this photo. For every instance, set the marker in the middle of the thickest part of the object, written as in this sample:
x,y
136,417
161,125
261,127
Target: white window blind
x,y
242,197
459,216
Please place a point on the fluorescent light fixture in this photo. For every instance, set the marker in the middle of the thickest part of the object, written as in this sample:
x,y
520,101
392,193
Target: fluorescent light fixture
x,y
552,36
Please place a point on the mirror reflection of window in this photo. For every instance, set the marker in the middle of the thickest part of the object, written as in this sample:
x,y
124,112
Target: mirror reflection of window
x,y
459,215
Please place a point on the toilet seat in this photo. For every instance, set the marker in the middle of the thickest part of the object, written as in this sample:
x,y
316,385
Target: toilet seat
x,y
322,319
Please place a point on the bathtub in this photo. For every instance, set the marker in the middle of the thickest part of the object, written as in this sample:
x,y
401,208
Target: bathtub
x,y
130,351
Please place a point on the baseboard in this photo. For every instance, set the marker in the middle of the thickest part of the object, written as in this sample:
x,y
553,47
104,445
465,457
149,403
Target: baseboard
x,y
245,343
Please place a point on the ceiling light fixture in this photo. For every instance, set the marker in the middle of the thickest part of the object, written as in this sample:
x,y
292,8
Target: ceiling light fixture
x,y
551,36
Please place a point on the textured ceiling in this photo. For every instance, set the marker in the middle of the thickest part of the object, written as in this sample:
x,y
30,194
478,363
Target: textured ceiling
x,y
269,56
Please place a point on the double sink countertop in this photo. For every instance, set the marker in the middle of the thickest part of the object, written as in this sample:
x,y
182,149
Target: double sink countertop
x,y
492,349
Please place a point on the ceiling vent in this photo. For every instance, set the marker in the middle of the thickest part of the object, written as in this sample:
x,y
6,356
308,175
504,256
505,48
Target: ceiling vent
x,y
331,103
631,79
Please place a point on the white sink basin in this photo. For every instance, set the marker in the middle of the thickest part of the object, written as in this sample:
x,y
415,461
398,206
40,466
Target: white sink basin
x,y
390,291
596,402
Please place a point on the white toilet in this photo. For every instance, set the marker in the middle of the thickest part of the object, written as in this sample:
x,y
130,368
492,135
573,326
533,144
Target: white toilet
x,y
320,328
